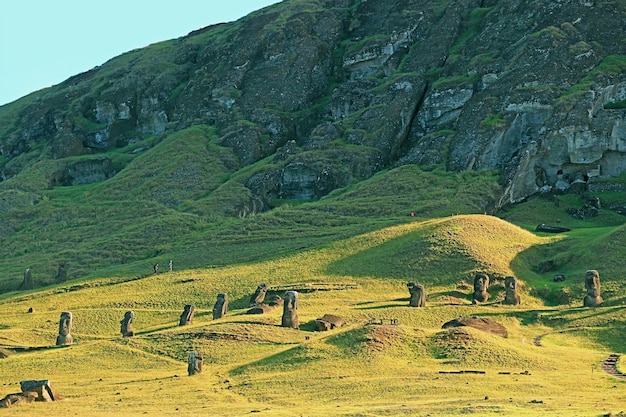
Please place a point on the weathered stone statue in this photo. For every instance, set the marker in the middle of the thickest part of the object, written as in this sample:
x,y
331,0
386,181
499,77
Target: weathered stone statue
x,y
65,327
510,286
32,390
187,316
62,272
194,365
592,285
126,325
481,283
259,295
221,306
290,310
28,283
418,295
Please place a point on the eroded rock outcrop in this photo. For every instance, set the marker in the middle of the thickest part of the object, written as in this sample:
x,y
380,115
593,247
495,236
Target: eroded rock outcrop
x,y
480,323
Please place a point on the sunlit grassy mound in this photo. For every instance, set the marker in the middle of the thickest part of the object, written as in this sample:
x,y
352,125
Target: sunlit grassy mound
x,y
408,365
442,251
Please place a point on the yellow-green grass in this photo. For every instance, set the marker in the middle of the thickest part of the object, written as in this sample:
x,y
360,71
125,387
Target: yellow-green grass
x,y
252,365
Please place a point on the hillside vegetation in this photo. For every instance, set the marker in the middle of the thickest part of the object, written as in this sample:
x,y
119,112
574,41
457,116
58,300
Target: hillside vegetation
x,y
251,364
340,149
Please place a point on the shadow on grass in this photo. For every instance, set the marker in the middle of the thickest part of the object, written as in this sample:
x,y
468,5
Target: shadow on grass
x,y
380,307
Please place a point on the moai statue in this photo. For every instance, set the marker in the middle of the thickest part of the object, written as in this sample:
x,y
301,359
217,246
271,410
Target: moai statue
x,y
62,272
511,285
592,285
126,325
418,295
481,283
194,363
221,306
28,283
187,316
259,295
290,310
65,327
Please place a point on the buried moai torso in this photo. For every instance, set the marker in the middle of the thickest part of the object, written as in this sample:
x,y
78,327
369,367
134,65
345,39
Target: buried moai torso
x,y
187,316
290,310
65,327
481,283
126,324
592,286
194,364
418,295
28,283
511,285
221,306
259,295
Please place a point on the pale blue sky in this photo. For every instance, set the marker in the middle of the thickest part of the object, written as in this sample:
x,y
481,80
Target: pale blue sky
x,y
44,42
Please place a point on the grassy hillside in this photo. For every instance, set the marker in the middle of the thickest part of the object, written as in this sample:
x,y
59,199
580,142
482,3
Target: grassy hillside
x,y
252,365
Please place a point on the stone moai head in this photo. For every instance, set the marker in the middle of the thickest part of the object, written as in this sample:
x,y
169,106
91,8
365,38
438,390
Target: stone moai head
x,y
126,325
28,283
187,316
194,364
418,295
221,306
511,285
290,310
481,283
259,295
65,327
592,287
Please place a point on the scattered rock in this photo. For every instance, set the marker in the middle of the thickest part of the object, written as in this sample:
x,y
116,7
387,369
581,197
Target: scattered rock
x,y
551,229
328,322
480,323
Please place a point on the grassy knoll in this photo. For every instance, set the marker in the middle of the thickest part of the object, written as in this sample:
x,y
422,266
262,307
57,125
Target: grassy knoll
x,y
547,366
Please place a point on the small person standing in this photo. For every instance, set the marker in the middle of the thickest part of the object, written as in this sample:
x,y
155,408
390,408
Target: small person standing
x,y
156,268
171,265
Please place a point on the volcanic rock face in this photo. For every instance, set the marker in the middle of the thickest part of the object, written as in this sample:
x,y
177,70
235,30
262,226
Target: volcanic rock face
x,y
338,90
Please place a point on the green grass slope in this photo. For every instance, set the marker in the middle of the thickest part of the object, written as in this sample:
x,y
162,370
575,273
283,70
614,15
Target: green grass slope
x,y
252,365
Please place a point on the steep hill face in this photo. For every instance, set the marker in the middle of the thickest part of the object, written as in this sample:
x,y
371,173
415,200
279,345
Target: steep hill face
x,y
335,91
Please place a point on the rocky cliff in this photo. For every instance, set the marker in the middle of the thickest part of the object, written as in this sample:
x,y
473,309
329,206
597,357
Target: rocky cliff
x,y
317,94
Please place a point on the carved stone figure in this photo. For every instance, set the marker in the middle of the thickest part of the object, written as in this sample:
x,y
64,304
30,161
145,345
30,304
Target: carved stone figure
x,y
418,295
592,285
259,295
511,285
481,283
290,310
28,283
42,388
187,316
126,325
65,327
194,364
221,306
62,272
32,390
